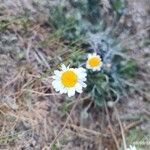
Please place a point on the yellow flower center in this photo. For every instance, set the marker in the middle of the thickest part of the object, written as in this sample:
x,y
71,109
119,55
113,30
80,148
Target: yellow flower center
x,y
69,78
94,61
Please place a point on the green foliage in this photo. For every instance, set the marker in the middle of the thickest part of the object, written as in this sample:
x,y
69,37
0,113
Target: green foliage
x,y
147,42
117,4
97,85
139,138
22,20
8,138
64,109
3,25
54,147
82,5
88,9
129,69
64,25
59,20
84,22
72,25
7,118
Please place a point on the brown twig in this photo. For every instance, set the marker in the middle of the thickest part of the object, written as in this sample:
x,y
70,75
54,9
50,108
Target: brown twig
x,y
121,128
66,123
80,135
82,129
111,128
132,125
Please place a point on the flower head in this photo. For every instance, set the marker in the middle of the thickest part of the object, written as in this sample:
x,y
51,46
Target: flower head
x,y
69,80
131,148
94,62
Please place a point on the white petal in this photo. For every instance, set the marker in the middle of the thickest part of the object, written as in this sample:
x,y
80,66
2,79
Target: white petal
x,y
131,148
54,83
68,66
81,74
89,55
78,88
82,80
83,84
57,85
94,54
94,69
81,70
56,77
71,92
63,67
56,72
99,68
63,90
88,66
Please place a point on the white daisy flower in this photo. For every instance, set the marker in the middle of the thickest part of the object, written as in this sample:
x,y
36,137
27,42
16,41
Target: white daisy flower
x,y
94,62
131,148
69,80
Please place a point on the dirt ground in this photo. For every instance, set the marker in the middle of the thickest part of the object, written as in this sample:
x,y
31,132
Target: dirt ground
x,y
33,116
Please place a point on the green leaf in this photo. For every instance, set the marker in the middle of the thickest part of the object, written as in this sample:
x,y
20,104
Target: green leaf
x,y
116,4
129,69
3,25
54,147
